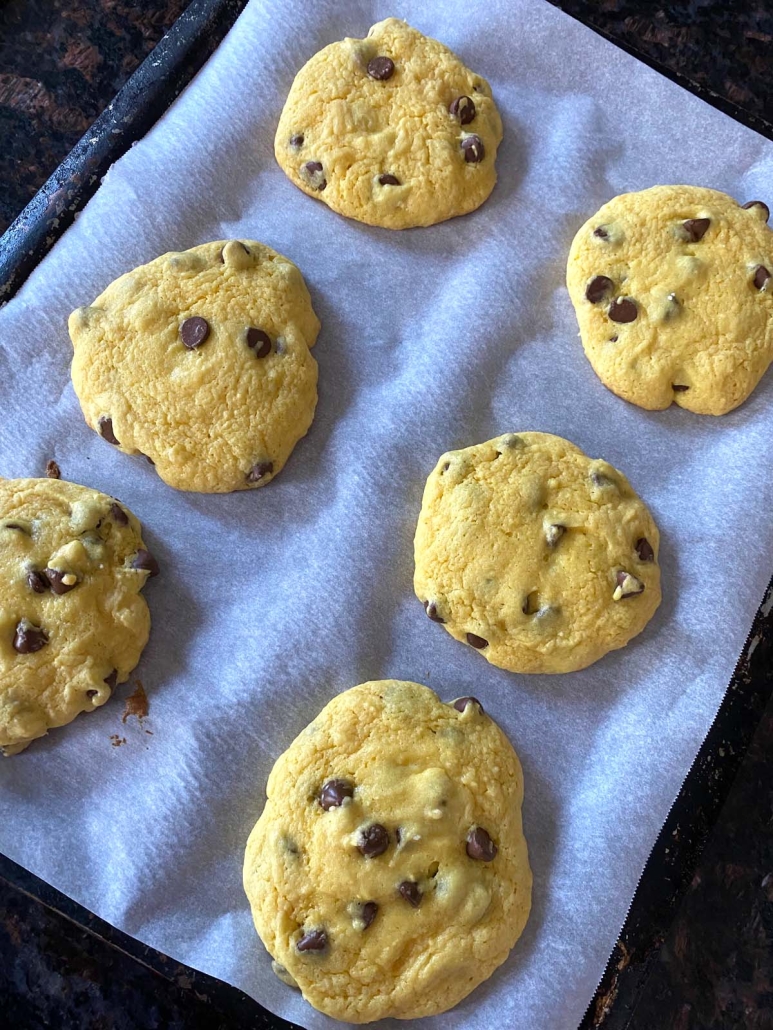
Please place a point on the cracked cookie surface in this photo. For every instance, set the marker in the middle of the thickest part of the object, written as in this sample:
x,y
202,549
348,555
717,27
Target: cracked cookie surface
x,y
392,130
388,874
673,290
537,556
73,622
200,361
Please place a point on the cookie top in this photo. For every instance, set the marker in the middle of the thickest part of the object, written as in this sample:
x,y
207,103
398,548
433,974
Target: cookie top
x,y
391,832
392,130
73,622
673,291
200,361
539,557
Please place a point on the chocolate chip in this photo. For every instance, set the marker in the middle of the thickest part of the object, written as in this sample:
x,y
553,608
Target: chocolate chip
x,y
410,891
105,425
531,605
475,641
145,561
28,638
601,232
258,341
463,108
679,387
696,228
613,339
463,703
52,470
388,180
757,203
473,149
314,940
368,913
446,467
480,846
57,580
623,309
644,549
112,679
313,175
91,693
259,471
598,288
37,581
373,840
554,533
599,479
118,515
194,331
431,609
627,586
296,141
334,793
381,68
761,276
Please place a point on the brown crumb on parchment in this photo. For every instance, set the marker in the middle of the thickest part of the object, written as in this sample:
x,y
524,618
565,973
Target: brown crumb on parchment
x,y
116,741
52,470
136,704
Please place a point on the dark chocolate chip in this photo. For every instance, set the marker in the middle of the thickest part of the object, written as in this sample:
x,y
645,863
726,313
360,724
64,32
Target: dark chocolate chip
x,y
628,585
118,515
598,288
446,467
679,387
431,609
644,549
56,579
112,679
105,425
28,638
463,703
258,341
381,68
599,479
334,792
480,846
623,309
757,203
410,891
296,141
463,108
601,232
91,693
314,940
52,470
473,149
368,913
388,180
613,339
373,840
761,276
696,228
37,581
145,561
259,471
475,641
313,174
194,331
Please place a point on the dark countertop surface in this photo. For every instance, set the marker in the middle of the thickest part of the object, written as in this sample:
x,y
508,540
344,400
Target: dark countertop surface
x,y
61,62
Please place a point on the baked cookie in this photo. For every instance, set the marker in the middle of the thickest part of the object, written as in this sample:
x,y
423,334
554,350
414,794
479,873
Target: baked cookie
x,y
539,557
388,873
673,289
200,361
392,130
73,622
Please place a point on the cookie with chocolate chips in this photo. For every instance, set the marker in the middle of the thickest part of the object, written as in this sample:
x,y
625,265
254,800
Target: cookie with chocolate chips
x,y
201,362
352,925
537,557
393,130
673,290
73,621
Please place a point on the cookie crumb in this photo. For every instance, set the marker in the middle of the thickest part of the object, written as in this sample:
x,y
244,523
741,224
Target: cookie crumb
x,y
52,470
136,704
116,741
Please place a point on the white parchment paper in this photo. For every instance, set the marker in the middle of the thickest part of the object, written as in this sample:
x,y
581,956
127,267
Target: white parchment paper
x,y
271,602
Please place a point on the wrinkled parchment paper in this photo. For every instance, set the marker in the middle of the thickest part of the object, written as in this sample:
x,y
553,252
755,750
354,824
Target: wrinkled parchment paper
x,y
273,601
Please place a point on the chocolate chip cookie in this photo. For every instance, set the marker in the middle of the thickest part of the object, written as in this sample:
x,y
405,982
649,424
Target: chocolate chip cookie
x,y
388,874
392,130
73,622
533,554
673,289
200,361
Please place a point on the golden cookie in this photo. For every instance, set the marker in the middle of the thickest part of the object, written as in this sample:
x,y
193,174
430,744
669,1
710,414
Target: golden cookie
x,y
537,556
392,130
200,361
673,292
73,622
388,874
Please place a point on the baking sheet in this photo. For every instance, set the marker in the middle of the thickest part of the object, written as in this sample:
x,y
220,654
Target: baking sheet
x,y
273,601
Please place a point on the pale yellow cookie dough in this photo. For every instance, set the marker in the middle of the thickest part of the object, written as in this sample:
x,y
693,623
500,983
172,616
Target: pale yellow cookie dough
x,y
414,145
73,622
200,361
388,874
673,289
537,556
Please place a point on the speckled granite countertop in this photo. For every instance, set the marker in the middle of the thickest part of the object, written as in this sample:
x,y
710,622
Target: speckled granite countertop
x,y
61,62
